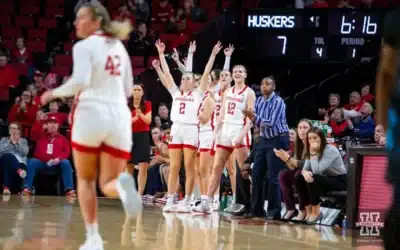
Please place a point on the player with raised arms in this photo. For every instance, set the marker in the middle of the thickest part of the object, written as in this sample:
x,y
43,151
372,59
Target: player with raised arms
x,y
101,120
232,131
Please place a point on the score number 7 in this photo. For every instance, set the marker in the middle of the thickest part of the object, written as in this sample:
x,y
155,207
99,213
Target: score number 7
x,y
284,40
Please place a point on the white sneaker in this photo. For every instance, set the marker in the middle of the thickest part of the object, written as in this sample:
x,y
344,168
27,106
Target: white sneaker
x,y
169,207
195,202
129,195
183,207
205,207
94,242
215,205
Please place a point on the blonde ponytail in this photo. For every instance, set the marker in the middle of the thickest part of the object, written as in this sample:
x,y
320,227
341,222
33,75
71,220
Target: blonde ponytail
x,y
117,29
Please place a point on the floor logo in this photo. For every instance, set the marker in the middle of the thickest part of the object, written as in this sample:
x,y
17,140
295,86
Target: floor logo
x,y
370,224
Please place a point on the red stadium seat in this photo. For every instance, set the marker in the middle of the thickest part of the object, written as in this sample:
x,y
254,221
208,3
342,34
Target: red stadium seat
x,y
36,46
30,10
61,70
5,20
11,33
150,61
25,21
30,2
48,23
168,39
72,36
7,8
63,60
138,71
22,69
54,12
137,61
37,34
158,27
68,47
9,44
54,3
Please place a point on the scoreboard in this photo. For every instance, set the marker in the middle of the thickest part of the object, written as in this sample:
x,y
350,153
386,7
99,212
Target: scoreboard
x,y
313,34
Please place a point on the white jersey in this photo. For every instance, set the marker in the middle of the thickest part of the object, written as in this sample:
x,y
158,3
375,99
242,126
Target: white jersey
x,y
218,105
209,126
102,71
185,106
235,102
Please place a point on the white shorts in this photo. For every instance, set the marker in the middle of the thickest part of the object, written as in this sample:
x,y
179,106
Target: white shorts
x,y
228,135
103,127
206,142
184,136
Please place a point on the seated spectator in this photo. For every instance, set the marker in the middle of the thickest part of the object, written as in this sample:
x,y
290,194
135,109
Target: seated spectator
x,y
163,12
13,155
163,113
287,177
124,14
340,125
8,79
54,106
180,21
52,151
24,110
39,127
34,93
38,81
323,171
379,135
364,125
366,95
157,122
140,43
141,9
21,54
292,139
334,101
5,50
354,102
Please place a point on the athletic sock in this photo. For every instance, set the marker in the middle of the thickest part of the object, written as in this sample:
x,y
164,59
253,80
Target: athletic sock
x,y
92,229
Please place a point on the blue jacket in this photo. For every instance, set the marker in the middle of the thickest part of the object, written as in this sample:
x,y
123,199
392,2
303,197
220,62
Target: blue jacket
x,y
364,128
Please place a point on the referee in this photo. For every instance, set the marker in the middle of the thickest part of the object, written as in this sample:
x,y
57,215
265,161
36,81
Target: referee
x,y
388,114
270,117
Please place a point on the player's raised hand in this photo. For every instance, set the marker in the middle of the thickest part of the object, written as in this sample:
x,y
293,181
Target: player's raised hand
x,y
192,47
160,46
155,63
217,48
229,50
175,55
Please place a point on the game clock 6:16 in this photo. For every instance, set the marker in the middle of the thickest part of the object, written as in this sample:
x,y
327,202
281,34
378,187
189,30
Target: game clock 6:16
x,y
354,24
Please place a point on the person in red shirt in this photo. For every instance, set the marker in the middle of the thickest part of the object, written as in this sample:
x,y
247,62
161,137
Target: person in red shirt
x,y
39,127
141,119
355,102
366,95
163,12
8,79
54,106
340,126
52,151
21,53
23,111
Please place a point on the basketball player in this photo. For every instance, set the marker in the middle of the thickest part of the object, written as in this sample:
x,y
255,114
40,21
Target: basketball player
x,y
184,132
234,134
101,120
388,114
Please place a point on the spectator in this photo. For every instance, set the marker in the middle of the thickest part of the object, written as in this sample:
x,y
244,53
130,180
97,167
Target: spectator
x,y
287,177
14,151
366,95
5,50
24,110
341,127
355,102
140,9
364,125
52,151
21,54
323,171
163,113
292,139
38,81
54,106
40,125
140,43
163,12
8,79
34,93
379,135
334,101
124,14
157,122
141,119
180,20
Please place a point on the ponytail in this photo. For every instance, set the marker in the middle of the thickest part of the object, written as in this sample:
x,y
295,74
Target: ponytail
x,y
117,29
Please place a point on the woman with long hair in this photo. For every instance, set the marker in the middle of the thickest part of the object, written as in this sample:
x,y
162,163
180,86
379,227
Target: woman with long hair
x,y
323,171
184,132
295,163
101,120
233,131
141,119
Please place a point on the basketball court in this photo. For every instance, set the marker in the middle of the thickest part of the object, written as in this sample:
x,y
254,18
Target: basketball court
x,y
55,223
